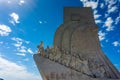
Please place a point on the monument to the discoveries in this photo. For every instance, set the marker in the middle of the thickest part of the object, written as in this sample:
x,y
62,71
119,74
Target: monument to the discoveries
x,y
76,54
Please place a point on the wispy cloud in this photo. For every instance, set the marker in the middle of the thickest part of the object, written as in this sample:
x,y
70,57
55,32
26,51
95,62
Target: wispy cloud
x,y
13,2
98,21
30,51
110,3
12,71
111,6
18,43
90,3
97,17
117,20
112,9
108,24
1,42
21,54
102,5
20,47
26,59
42,22
116,43
101,35
4,30
14,18
21,2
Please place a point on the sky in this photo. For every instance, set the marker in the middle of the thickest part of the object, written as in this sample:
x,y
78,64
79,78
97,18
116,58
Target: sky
x,y
24,23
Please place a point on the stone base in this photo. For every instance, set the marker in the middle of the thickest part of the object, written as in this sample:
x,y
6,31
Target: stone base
x,y
51,70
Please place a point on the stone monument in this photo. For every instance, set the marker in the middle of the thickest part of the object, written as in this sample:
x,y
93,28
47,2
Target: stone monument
x,y
76,53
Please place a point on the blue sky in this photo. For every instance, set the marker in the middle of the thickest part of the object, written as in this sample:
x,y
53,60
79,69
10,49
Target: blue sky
x,y
24,23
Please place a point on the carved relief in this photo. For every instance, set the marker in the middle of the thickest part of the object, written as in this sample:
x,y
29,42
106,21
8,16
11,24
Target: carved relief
x,y
74,61
97,68
65,59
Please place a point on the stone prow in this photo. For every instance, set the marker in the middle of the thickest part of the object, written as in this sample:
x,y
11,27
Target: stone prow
x,y
76,48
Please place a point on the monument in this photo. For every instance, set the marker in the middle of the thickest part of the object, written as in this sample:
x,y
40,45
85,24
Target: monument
x,y
76,53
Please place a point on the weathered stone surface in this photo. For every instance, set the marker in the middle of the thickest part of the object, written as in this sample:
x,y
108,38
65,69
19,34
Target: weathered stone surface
x,y
76,54
51,70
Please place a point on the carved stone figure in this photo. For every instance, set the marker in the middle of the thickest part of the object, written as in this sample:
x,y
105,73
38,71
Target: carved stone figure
x,y
52,54
41,48
56,49
73,62
57,57
78,64
47,51
65,59
85,68
99,70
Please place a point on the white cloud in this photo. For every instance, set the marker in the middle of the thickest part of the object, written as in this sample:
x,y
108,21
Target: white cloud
x,y
22,49
106,15
1,42
30,51
21,54
16,39
90,3
97,16
110,3
26,59
110,28
117,20
112,9
41,22
4,30
102,5
116,43
14,18
101,35
108,24
18,43
12,2
27,42
12,71
98,21
8,1
21,2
